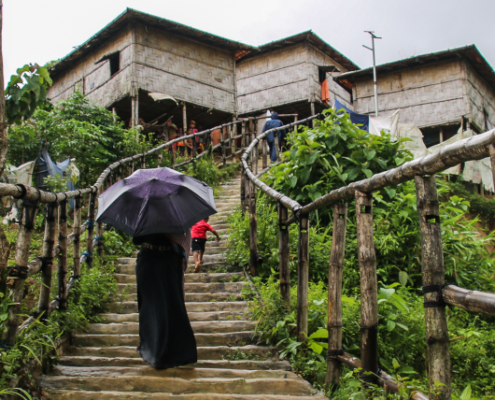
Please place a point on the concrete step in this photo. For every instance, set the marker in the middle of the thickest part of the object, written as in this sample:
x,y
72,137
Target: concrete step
x,y
197,326
131,306
104,395
88,361
202,339
128,292
204,352
193,316
183,373
197,287
190,278
172,385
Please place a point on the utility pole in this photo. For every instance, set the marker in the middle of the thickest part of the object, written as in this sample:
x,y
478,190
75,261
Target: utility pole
x,y
372,48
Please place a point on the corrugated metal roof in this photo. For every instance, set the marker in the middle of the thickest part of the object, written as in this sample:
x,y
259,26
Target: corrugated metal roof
x,y
134,15
471,53
316,41
241,50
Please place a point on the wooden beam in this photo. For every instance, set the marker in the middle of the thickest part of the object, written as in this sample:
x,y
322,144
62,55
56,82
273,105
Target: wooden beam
x,y
253,230
336,268
284,254
26,227
62,256
433,270
47,261
303,278
369,286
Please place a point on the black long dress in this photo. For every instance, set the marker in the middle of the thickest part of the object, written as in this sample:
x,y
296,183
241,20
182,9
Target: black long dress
x,y
166,339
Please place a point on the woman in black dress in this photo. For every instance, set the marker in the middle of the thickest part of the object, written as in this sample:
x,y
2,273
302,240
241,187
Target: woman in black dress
x,y
166,339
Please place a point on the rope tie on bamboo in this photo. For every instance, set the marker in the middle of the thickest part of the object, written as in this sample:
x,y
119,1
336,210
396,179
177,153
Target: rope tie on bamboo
x,y
333,354
99,239
46,262
19,272
91,224
89,256
431,289
372,327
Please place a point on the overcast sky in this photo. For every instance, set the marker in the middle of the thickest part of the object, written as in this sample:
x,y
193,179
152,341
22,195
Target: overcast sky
x,y
41,31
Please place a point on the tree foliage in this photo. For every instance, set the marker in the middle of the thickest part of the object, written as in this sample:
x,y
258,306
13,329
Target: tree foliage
x,y
76,128
26,92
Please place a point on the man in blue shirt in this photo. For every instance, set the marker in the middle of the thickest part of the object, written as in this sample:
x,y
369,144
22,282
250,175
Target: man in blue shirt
x,y
274,122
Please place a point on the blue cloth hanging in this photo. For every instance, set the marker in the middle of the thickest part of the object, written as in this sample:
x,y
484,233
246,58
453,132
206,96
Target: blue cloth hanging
x,y
45,166
356,118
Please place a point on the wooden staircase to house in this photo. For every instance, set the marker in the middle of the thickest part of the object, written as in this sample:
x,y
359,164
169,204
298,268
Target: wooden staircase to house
x,y
103,363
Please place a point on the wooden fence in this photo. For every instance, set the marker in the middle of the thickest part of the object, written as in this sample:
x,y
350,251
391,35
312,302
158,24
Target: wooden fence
x,y
436,294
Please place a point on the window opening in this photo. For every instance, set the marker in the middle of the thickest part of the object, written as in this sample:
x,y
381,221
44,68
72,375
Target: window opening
x,y
114,63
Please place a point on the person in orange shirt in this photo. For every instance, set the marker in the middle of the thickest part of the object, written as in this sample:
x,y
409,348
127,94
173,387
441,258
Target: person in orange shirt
x,y
181,145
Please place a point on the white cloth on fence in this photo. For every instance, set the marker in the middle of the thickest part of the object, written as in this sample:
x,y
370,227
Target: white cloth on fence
x,y
388,124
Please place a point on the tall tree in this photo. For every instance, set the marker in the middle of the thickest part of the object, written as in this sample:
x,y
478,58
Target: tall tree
x,y
4,140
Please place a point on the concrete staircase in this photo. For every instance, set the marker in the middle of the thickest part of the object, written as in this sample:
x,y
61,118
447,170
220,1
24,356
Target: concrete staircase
x,y
103,363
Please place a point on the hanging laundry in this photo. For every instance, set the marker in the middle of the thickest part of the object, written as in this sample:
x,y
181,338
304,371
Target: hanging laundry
x,y
325,92
362,119
45,166
388,124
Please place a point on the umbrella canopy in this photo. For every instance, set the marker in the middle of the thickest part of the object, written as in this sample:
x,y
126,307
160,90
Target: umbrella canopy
x,y
155,200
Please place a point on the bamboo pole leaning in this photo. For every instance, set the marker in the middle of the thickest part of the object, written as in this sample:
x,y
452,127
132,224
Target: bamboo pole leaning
x,y
88,254
433,271
335,272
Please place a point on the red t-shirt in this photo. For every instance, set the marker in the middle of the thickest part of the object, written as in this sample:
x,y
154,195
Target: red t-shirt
x,y
198,231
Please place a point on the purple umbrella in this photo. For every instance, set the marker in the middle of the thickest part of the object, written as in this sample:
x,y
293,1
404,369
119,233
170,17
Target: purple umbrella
x,y
157,200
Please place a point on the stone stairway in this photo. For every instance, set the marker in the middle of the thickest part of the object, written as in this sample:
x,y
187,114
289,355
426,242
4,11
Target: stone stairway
x,y
103,363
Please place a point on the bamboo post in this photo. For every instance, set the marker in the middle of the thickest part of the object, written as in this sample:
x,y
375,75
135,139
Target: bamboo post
x,y
224,159
264,154
243,133
91,226
433,270
99,238
62,256
256,149
118,174
303,278
491,148
172,157
160,158
234,141
369,286
77,234
143,162
335,294
26,227
313,112
131,167
283,246
243,193
47,261
184,122
253,229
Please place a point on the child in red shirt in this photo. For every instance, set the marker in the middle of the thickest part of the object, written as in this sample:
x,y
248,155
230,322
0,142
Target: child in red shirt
x,y
198,234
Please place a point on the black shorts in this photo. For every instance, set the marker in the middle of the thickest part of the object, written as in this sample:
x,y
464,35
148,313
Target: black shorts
x,y
198,245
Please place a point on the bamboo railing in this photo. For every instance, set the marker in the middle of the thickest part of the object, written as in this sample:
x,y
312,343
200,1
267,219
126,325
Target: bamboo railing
x,y
437,295
32,197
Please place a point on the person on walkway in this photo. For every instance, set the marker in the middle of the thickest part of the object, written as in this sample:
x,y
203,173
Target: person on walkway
x,y
166,339
274,122
198,233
